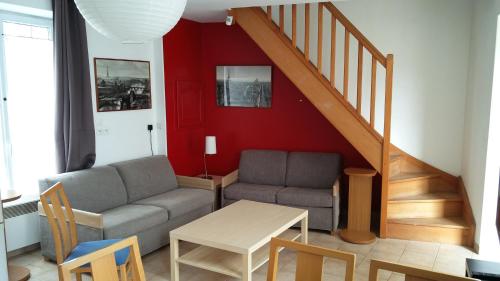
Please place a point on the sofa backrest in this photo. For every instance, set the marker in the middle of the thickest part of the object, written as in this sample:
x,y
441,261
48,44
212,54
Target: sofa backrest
x,y
263,167
145,177
312,169
93,190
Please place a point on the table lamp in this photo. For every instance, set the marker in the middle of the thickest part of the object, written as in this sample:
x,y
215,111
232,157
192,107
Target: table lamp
x,y
210,149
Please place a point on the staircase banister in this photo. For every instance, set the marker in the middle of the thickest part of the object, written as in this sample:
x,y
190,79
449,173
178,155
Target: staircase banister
x,y
356,33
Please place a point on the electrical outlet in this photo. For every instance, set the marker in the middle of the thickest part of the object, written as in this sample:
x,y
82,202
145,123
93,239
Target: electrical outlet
x,y
102,132
150,127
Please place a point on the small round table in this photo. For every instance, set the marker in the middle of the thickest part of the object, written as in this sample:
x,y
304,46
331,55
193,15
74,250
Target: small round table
x,y
16,273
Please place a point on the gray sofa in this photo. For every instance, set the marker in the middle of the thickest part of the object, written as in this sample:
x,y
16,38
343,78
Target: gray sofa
x,y
140,197
307,180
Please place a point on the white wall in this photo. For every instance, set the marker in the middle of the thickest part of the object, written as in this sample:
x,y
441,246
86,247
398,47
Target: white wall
x,y
481,186
430,43
123,135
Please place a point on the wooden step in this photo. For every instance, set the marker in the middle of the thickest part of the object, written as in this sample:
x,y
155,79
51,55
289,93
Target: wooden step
x,y
452,230
405,177
394,165
409,184
429,205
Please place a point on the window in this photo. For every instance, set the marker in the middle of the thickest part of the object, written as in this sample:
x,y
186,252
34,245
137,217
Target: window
x,y
27,150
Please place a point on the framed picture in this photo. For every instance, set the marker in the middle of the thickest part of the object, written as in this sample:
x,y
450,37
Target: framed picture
x,y
122,84
244,86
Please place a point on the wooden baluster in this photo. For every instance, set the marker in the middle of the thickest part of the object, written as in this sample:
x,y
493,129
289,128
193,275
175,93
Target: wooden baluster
x,y
386,145
294,25
346,65
306,36
282,18
333,50
373,92
360,77
270,13
320,37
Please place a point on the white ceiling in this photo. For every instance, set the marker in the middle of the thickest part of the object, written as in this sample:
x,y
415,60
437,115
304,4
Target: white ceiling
x,y
216,10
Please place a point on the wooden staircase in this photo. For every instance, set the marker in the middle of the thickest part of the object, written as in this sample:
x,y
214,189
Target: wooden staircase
x,y
426,204
419,201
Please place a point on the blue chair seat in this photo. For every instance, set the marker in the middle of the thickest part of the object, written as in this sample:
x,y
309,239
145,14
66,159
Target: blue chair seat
x,y
85,248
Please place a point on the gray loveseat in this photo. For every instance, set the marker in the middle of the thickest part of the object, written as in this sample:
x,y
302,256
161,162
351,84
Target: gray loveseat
x,y
307,180
140,197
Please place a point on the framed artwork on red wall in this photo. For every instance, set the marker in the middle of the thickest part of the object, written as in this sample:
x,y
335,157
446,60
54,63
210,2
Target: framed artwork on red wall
x,y
244,86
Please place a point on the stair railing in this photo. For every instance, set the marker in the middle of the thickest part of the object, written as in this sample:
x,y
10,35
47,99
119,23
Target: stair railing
x,y
377,58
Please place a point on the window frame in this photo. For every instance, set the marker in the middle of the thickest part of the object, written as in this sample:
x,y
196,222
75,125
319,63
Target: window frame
x,y
24,19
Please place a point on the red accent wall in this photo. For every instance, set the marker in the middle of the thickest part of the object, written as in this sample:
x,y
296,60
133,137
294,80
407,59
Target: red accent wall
x,y
182,61
192,51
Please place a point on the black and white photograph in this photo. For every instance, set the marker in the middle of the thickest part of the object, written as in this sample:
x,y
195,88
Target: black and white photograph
x,y
122,84
244,86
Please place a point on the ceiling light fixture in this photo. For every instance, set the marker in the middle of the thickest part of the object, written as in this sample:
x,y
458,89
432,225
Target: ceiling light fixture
x,y
132,21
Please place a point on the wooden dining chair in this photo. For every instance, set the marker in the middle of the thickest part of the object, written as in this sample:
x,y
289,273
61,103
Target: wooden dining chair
x,y
102,262
309,265
62,223
411,273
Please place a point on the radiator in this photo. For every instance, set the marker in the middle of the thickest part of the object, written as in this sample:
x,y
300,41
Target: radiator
x,y
21,225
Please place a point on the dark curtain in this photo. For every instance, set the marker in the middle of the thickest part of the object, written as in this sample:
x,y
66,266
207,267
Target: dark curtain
x,y
75,136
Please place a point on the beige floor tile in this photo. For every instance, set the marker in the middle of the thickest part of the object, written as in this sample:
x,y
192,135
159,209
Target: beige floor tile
x,y
392,256
439,257
334,267
417,258
356,248
397,277
426,248
390,246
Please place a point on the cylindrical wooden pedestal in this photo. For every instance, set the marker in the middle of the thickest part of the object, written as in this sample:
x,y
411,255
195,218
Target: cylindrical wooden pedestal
x,y
360,203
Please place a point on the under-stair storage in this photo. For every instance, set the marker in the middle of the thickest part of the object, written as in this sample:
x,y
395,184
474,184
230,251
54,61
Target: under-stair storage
x,y
350,82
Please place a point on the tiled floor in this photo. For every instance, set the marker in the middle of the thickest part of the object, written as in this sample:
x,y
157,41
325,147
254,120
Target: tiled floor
x,y
439,257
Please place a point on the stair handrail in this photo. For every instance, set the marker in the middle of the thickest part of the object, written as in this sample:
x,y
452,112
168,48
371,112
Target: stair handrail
x,y
377,57
337,14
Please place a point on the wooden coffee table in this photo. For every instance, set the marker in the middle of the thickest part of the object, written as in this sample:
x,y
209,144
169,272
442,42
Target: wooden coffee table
x,y
234,240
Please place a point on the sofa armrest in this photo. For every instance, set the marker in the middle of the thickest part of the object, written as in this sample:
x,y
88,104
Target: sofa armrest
x,y
90,219
336,188
229,178
195,182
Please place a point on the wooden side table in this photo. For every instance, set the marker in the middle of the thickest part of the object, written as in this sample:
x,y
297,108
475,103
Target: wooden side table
x,y
218,184
16,273
360,203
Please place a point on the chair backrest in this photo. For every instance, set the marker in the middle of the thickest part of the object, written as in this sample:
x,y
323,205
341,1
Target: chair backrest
x,y
309,260
412,273
61,220
103,265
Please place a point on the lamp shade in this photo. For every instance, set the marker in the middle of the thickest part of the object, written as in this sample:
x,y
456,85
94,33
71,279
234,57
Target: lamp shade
x,y
132,21
210,145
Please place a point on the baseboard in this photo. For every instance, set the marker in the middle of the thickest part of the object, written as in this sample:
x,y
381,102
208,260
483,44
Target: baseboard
x,y
476,247
23,250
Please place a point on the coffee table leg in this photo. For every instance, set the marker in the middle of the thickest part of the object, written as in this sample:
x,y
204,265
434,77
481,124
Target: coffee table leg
x,y
247,267
174,254
303,230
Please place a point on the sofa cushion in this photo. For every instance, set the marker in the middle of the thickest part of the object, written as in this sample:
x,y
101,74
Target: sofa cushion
x,y
305,197
254,192
312,169
129,220
263,167
145,177
180,201
85,188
